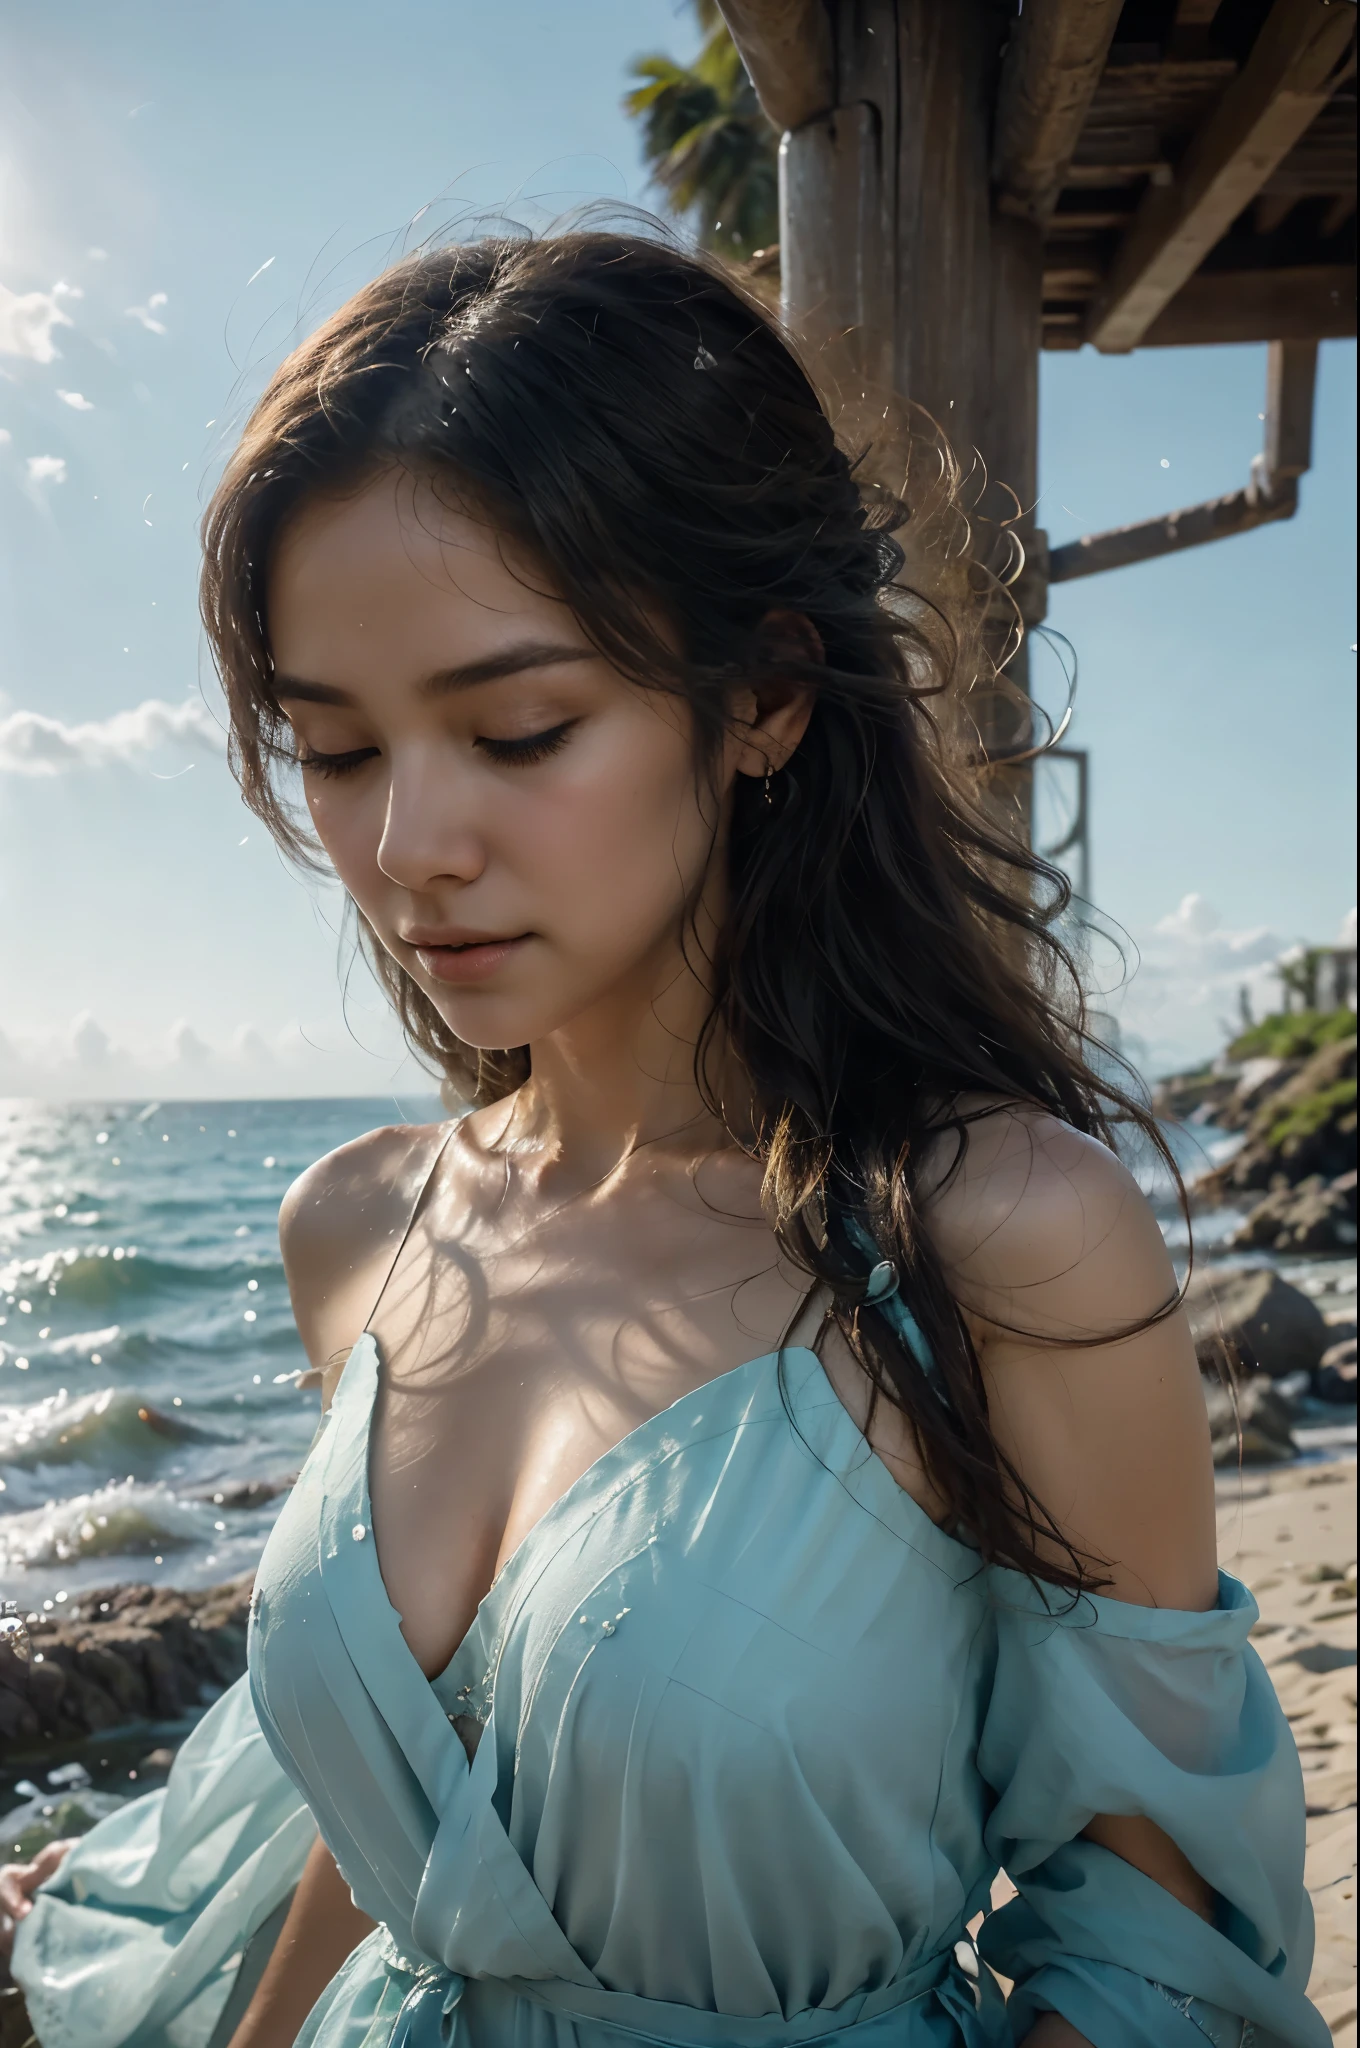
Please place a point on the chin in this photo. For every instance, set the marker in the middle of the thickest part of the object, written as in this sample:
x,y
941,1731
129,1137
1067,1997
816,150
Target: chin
x,y
488,1023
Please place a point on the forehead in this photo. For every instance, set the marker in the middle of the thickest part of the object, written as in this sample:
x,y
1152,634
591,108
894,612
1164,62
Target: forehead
x,y
395,571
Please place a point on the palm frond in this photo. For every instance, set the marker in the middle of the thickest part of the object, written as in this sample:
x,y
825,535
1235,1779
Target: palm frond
x,y
712,153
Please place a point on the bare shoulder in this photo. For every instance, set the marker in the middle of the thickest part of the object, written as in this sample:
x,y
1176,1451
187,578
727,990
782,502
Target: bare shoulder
x,y
1032,1218
1094,1396
339,1224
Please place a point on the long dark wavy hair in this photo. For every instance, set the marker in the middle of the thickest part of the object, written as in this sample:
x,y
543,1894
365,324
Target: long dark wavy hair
x,y
635,423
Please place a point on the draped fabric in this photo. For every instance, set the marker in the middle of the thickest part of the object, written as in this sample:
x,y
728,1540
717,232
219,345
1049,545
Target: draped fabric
x,y
756,1737
138,1940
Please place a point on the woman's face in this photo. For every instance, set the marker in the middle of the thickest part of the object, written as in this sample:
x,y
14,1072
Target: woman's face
x,y
522,827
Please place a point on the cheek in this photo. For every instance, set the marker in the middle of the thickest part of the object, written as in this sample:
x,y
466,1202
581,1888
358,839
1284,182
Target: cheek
x,y
348,820
627,834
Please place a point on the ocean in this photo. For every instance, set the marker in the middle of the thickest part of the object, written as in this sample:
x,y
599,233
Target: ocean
x,y
147,1351
148,1357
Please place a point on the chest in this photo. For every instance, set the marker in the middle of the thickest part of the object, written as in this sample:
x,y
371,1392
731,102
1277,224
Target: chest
x,y
503,1385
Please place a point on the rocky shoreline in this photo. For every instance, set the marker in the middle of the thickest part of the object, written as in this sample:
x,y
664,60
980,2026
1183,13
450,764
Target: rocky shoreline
x,y
116,1657
1267,1351
1294,1101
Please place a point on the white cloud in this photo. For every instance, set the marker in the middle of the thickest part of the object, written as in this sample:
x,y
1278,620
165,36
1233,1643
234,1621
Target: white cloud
x,y
76,400
47,469
1185,994
147,313
98,255
89,1041
83,1060
1193,918
252,1046
33,744
186,1046
27,320
1346,935
5,436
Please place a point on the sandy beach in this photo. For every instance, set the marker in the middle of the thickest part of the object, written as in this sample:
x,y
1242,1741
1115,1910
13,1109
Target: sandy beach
x,y
1291,1536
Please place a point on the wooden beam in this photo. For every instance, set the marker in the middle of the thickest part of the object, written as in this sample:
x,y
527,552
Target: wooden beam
x,y
1273,493
1297,60
1220,519
787,50
1291,376
1299,303
1049,74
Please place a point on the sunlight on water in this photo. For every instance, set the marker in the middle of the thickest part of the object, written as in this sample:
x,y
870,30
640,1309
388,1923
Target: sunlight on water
x,y
147,1350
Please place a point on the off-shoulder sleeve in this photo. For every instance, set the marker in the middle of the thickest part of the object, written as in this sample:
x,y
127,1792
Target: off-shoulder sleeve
x,y
1102,1707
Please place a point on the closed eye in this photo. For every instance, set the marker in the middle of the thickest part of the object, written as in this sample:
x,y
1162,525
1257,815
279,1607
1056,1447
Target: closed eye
x,y
536,746
336,764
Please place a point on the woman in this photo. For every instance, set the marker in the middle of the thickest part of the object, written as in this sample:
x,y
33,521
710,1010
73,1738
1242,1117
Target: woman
x,y
766,1487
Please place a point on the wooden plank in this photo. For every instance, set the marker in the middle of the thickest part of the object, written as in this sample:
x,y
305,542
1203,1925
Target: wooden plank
x,y
787,50
1049,74
1297,59
1291,376
1220,519
1299,303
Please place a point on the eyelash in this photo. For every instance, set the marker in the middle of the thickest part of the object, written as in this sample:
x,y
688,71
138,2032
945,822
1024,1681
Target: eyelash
x,y
337,764
507,753
522,753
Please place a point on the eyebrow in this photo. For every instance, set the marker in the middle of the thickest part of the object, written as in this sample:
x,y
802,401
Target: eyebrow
x,y
512,661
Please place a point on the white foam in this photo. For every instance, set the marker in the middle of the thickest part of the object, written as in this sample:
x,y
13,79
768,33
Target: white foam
x,y
126,1519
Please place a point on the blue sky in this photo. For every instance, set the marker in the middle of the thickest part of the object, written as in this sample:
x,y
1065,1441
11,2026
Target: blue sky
x,y
183,192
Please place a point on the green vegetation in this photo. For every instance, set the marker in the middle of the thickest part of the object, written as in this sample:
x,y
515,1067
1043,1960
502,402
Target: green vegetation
x,y
712,151
1293,1035
1302,1119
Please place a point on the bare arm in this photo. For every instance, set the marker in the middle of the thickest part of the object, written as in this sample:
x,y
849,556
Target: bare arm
x,y
323,1927
1046,1237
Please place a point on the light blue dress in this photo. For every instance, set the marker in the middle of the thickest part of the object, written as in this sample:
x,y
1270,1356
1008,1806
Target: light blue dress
x,y
159,1921
756,1737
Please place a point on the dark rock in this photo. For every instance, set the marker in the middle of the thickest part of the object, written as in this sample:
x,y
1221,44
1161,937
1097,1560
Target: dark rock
x,y
1252,1422
1315,1216
16,2029
124,1653
1265,1324
1194,1098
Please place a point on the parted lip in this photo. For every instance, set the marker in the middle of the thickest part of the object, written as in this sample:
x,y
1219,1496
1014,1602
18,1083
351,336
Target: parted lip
x,y
425,937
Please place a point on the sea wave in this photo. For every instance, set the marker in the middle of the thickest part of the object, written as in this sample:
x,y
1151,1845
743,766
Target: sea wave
x,y
126,1519
118,1273
108,1429
83,1343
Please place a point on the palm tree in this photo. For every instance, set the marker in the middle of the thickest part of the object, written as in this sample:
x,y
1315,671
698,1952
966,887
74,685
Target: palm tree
x,y
711,149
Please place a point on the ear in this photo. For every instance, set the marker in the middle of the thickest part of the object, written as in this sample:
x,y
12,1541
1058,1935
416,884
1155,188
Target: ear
x,y
771,715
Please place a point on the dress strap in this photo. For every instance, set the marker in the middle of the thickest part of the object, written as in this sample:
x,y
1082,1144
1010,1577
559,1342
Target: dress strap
x,y
427,1182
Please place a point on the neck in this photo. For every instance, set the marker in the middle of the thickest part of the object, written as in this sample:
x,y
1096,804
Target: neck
x,y
621,1076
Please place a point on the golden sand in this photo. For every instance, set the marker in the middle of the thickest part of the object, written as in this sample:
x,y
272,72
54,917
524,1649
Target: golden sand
x,y
1291,1536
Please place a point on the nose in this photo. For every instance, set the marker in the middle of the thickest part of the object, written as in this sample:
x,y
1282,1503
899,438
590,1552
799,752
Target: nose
x,y
428,833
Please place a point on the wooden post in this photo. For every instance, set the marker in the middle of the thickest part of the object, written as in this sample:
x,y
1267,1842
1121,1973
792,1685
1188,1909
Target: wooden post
x,y
898,265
